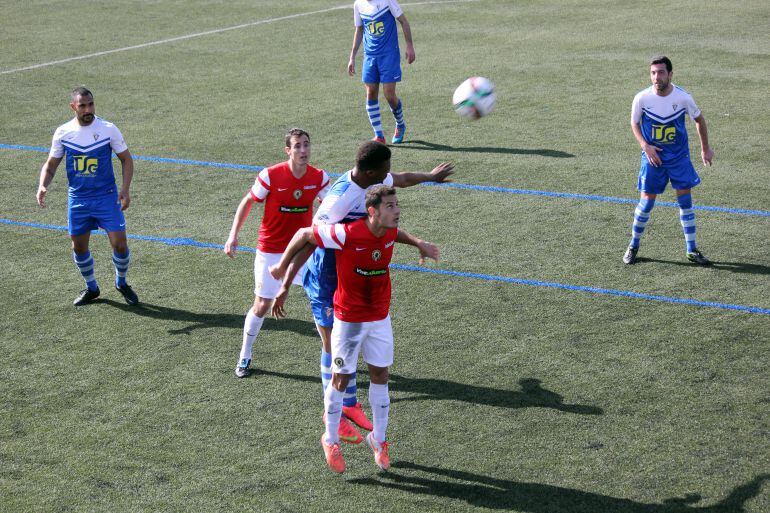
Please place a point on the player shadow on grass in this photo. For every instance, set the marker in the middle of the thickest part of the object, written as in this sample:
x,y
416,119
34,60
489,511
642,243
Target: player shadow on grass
x,y
209,320
417,144
532,395
489,492
735,267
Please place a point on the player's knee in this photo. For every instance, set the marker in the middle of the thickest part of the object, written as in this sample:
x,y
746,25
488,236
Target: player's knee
x,y
261,306
379,375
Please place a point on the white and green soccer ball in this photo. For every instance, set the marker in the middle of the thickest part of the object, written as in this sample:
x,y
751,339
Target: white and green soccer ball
x,y
474,98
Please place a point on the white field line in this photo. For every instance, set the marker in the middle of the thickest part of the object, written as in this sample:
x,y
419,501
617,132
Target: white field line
x,y
207,33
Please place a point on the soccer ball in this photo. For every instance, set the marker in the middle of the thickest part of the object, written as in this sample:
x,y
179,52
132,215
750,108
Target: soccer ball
x,y
474,98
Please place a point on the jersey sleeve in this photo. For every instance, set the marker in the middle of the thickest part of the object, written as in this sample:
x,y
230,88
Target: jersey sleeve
x,y
357,21
388,180
692,110
395,9
261,187
335,206
117,143
325,186
636,109
330,236
57,150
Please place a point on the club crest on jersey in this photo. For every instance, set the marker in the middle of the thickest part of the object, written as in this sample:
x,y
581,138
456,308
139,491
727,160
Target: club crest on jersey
x,y
376,254
339,362
674,106
297,194
96,136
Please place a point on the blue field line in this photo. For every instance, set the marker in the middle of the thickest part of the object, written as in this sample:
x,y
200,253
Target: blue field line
x,y
184,241
451,185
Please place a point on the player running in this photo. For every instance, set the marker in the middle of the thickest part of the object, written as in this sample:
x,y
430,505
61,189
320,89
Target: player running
x,y
364,250
658,124
345,203
87,143
375,22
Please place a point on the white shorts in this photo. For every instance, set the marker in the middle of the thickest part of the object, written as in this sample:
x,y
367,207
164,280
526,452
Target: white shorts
x,y
374,338
264,284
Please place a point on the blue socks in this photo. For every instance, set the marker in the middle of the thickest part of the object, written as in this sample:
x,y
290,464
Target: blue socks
x,y
121,261
641,217
398,114
349,399
373,111
687,219
326,369
85,263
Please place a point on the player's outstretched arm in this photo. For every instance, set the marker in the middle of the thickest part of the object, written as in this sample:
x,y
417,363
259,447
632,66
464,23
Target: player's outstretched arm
x,y
427,249
706,153
244,208
46,176
127,165
439,174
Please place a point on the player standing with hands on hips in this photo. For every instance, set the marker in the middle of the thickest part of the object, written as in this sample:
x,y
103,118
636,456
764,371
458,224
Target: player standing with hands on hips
x,y
87,143
375,22
658,123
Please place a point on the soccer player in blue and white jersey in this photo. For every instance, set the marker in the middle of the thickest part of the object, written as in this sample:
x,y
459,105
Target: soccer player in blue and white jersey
x,y
375,22
346,202
87,143
658,123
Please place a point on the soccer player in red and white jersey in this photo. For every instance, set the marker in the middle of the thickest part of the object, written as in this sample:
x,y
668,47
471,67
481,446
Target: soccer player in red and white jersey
x,y
288,191
361,305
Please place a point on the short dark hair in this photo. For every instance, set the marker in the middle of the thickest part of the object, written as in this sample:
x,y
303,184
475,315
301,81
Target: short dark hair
x,y
295,132
375,194
371,155
80,91
662,59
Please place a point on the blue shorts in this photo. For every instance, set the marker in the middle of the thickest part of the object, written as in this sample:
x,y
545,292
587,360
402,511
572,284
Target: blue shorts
x,y
653,180
86,214
381,69
320,283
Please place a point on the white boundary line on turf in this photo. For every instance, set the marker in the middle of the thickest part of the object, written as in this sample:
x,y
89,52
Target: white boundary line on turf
x,y
207,33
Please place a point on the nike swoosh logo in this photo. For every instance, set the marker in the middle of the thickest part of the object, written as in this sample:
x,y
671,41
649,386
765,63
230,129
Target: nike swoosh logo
x,y
123,224
360,249
279,189
389,244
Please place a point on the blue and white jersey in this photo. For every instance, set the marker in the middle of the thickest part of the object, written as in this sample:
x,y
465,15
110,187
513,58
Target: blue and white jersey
x,y
88,151
378,18
662,121
345,202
